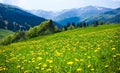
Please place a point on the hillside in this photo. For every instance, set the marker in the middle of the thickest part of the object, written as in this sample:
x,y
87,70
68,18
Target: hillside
x,y
112,16
45,28
14,19
85,50
4,33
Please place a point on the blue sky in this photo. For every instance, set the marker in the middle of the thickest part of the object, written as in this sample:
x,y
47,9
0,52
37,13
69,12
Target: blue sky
x,y
52,5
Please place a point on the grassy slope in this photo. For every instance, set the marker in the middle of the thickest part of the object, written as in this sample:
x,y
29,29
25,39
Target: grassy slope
x,y
85,50
4,33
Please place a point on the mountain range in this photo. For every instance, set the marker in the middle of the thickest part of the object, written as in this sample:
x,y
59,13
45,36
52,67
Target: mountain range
x,y
14,18
112,16
72,15
88,14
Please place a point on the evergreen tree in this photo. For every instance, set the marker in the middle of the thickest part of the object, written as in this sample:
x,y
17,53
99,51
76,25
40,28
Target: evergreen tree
x,y
95,24
73,24
68,24
78,25
84,24
81,25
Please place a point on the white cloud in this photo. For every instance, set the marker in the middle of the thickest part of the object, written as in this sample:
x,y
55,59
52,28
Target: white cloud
x,y
61,4
1,1
9,1
116,0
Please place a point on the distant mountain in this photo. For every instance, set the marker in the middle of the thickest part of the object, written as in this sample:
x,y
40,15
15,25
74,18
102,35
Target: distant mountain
x,y
47,14
81,13
14,18
112,16
72,15
69,20
44,14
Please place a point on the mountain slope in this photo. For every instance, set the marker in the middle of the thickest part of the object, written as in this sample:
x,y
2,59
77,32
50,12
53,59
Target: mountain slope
x,y
42,13
47,14
112,16
68,14
83,12
45,28
85,50
69,20
4,33
14,18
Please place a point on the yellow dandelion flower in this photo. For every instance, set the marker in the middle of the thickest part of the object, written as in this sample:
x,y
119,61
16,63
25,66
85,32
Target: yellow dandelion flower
x,y
23,62
40,64
33,58
76,59
44,65
0,69
89,65
50,61
96,50
51,66
89,57
18,66
37,67
119,68
33,61
70,63
106,66
29,61
4,69
57,53
42,68
113,49
118,54
40,58
98,45
39,53
79,69
114,56
81,60
26,71
7,61
85,54
22,67
49,69
92,69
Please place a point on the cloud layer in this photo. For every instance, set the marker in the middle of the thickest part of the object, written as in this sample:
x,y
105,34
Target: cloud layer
x,y
117,0
61,4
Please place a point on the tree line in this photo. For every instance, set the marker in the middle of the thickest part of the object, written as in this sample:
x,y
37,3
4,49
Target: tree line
x,y
47,27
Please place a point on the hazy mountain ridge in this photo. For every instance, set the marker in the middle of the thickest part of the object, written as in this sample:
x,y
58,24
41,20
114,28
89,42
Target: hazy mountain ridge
x,y
13,18
112,16
68,14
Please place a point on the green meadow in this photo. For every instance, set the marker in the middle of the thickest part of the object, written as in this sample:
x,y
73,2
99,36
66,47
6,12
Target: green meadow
x,y
82,50
4,33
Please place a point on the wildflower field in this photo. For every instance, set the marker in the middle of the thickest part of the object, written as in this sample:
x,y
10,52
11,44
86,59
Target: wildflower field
x,y
82,50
